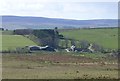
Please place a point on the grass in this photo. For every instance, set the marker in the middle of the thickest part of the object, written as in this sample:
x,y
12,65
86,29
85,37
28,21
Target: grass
x,y
11,42
43,66
60,65
9,32
108,38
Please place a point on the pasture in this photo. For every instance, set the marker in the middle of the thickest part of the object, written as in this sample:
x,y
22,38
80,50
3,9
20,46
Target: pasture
x,y
11,42
61,65
56,66
108,38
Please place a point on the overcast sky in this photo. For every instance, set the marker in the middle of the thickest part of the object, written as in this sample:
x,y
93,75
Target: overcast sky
x,y
67,9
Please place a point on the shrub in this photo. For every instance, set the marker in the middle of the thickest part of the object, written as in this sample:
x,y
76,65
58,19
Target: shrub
x,y
22,50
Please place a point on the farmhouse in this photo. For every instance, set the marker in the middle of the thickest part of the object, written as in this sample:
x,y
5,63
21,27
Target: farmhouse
x,y
73,48
33,48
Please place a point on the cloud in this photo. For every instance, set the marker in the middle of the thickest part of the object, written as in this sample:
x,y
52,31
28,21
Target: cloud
x,y
74,9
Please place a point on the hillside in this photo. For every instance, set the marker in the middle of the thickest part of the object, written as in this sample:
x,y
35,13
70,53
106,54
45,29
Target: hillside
x,y
11,42
107,38
18,22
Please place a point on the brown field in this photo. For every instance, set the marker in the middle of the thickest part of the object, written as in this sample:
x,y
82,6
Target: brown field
x,y
57,66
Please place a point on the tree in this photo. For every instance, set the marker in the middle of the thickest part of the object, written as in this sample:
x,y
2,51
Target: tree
x,y
2,29
66,43
48,37
84,44
44,36
73,42
97,47
56,38
23,31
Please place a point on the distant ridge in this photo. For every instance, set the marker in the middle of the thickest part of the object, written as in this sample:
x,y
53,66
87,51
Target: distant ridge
x,y
23,22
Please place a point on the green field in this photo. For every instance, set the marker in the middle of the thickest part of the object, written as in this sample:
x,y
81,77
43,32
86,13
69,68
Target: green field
x,y
9,32
107,38
11,42
61,65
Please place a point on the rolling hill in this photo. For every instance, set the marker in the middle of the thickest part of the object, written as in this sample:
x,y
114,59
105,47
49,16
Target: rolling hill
x,y
108,38
20,22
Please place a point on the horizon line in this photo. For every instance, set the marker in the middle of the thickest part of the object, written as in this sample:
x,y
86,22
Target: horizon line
x,y
61,18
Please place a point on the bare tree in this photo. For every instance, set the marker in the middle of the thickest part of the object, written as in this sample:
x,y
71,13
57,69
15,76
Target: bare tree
x,y
66,43
84,44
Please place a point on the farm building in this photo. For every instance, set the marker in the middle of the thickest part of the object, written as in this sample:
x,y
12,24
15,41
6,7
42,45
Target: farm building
x,y
40,48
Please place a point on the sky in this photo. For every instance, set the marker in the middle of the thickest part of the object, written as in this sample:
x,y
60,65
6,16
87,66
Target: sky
x,y
66,9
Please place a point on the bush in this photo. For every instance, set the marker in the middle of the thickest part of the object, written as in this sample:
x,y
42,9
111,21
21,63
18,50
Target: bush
x,y
97,47
22,50
84,44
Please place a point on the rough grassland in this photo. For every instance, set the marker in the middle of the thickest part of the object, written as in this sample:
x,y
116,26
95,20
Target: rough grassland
x,y
107,38
11,42
49,66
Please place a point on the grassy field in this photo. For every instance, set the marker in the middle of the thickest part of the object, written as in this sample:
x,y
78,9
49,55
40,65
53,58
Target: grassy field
x,y
9,32
55,66
11,42
107,38
60,65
